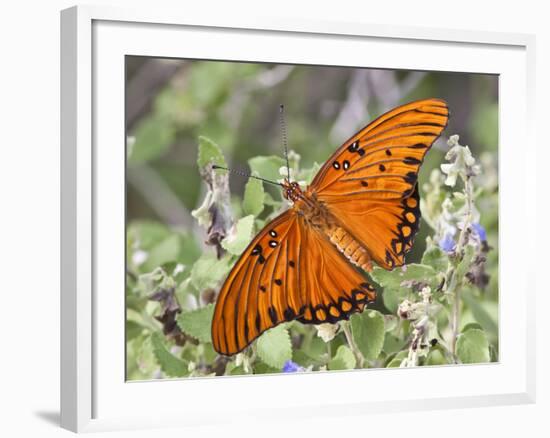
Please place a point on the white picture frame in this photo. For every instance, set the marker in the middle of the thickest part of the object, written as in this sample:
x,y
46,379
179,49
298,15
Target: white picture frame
x,y
94,41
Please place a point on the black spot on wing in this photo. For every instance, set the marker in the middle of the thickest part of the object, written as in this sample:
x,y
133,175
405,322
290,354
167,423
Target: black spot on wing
x,y
273,315
289,314
258,322
411,160
411,177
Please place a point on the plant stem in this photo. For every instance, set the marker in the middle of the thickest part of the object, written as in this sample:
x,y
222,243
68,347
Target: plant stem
x,y
351,342
454,283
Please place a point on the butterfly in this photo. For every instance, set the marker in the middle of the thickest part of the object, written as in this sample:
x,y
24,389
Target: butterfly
x,y
362,207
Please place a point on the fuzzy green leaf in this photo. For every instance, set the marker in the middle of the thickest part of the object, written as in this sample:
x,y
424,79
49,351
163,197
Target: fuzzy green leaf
x,y
253,201
485,313
466,262
268,200
435,258
392,344
436,357
472,347
274,347
148,233
398,283
166,251
396,361
262,368
267,166
209,153
343,359
236,242
133,330
208,271
170,364
237,371
471,325
197,323
368,332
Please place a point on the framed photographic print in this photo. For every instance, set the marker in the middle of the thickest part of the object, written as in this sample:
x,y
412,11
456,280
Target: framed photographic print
x,y
252,208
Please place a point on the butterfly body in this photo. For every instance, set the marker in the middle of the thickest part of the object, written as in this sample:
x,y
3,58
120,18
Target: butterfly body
x,y
362,207
317,215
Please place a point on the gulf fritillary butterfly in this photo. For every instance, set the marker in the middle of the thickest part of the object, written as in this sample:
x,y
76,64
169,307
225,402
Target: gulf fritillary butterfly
x,y
361,207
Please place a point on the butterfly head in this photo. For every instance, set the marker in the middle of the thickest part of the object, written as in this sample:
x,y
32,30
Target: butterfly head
x,y
291,190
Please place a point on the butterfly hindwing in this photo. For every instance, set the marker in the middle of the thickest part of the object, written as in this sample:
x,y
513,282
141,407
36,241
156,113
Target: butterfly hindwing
x,y
385,228
334,288
289,271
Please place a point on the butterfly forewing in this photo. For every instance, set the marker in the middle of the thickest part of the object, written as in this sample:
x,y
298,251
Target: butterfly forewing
x,y
370,182
257,290
382,160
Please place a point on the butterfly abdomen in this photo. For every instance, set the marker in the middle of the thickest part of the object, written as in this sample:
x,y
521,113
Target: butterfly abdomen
x,y
350,247
317,215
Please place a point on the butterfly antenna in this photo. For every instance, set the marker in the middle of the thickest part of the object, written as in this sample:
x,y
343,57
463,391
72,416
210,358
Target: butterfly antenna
x,y
283,130
247,175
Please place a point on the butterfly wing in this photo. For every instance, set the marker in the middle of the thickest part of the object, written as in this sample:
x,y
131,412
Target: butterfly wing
x,y
289,271
369,183
334,288
247,303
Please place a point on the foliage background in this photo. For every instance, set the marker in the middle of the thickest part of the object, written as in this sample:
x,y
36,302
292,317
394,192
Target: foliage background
x,y
171,103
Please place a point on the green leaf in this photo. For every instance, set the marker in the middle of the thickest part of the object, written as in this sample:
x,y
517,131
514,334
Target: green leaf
x,y
262,368
471,325
147,233
435,258
436,357
342,360
133,330
237,241
268,200
395,362
305,360
170,364
237,371
165,251
153,137
209,152
466,262
253,201
274,347
267,166
472,347
197,323
140,350
485,313
368,332
392,344
398,283
208,271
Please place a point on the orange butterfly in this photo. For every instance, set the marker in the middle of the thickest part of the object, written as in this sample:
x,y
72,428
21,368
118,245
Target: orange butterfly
x,y
362,206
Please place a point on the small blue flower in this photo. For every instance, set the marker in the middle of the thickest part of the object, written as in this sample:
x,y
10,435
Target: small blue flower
x,y
291,367
447,243
480,231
